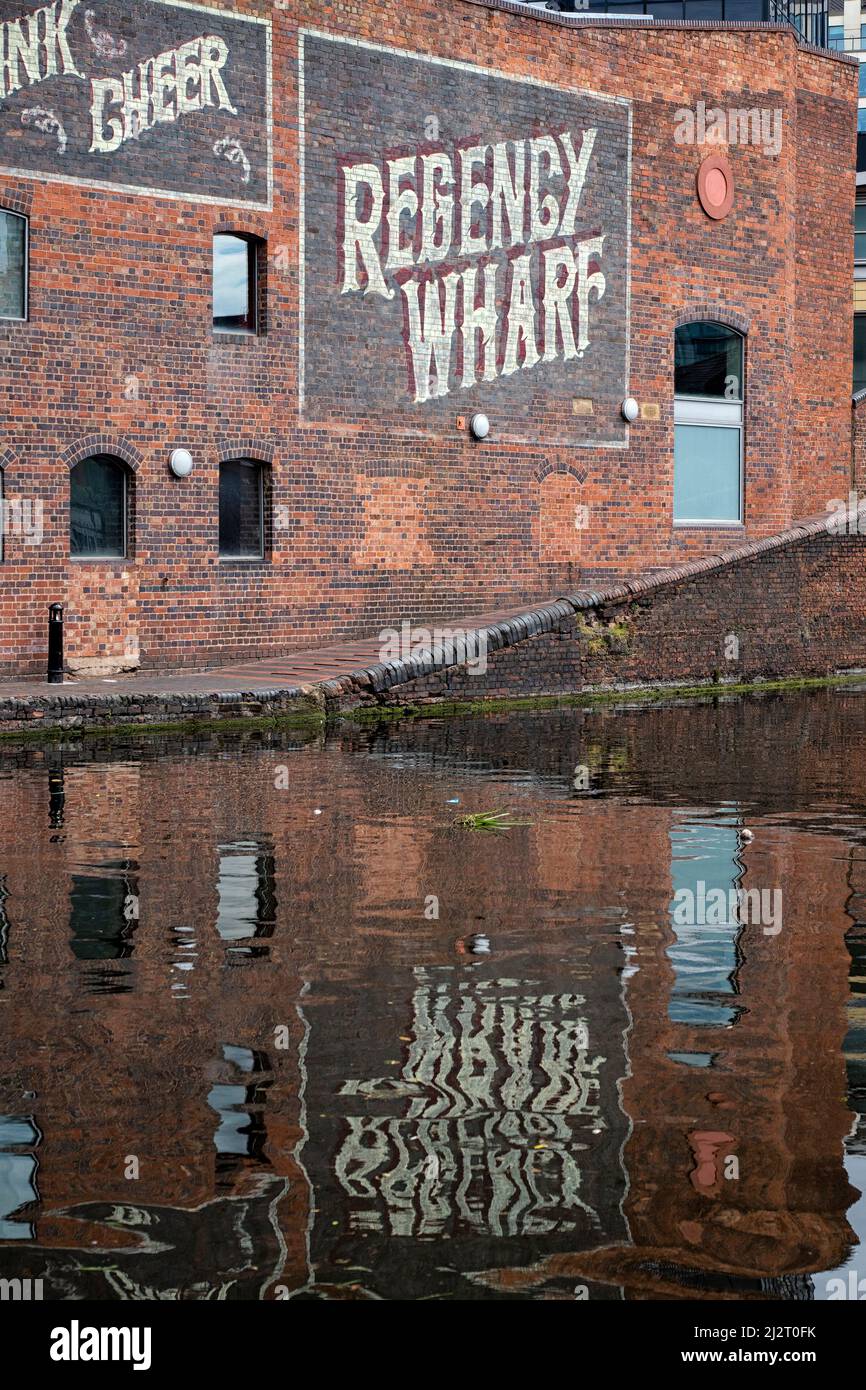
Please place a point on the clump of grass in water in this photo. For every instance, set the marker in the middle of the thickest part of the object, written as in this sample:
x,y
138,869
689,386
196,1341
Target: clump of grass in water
x,y
488,820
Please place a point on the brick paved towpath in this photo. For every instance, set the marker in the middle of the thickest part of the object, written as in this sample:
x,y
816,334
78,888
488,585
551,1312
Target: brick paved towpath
x,y
152,698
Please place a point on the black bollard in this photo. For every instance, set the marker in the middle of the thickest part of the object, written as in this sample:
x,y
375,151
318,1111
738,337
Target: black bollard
x,y
55,644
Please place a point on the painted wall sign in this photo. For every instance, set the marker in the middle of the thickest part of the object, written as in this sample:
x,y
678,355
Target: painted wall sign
x,y
149,96
465,244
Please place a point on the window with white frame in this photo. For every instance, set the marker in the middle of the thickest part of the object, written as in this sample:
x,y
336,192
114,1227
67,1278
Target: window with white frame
x,y
708,425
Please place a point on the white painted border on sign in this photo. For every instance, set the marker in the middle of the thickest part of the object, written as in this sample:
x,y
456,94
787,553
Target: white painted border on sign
x,y
475,70
145,192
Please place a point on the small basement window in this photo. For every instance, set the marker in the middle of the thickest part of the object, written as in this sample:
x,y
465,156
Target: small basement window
x,y
241,510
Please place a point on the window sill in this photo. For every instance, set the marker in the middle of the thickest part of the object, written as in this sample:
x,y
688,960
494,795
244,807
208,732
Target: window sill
x,y
709,526
243,560
100,559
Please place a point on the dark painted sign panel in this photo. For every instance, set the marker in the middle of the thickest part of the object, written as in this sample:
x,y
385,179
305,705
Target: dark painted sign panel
x,y
144,95
465,246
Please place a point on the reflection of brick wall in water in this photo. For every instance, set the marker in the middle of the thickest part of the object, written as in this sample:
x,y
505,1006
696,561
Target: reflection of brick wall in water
x,y
141,1071
773,1098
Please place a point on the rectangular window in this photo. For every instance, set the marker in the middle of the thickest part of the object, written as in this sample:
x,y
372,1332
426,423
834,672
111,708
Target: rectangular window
x,y
235,284
13,266
859,351
836,36
860,232
241,507
707,470
745,9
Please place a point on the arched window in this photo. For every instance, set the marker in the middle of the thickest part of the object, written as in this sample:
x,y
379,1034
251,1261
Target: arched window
x,y
235,283
708,425
98,508
242,510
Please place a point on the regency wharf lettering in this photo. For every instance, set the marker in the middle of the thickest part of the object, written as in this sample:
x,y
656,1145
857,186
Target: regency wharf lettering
x,y
417,211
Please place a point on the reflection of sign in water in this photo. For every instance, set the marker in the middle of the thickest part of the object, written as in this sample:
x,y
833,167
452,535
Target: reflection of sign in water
x,y
465,233
499,1095
146,95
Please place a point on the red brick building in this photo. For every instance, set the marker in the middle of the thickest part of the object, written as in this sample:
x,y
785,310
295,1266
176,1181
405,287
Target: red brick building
x,y
307,245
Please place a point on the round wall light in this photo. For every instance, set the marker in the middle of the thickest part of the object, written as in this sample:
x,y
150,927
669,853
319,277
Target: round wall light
x,y
630,409
480,426
180,463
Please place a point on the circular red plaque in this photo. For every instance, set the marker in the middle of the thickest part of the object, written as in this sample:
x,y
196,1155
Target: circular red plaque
x,y
716,186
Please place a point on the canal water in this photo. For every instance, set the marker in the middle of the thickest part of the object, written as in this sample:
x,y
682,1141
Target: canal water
x,y
274,1025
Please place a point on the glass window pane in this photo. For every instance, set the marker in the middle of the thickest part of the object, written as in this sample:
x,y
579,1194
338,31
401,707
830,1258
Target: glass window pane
x,y
704,9
745,9
240,509
17,1191
862,75
861,118
13,266
665,9
860,246
860,217
706,473
708,361
859,351
234,294
98,507
863,35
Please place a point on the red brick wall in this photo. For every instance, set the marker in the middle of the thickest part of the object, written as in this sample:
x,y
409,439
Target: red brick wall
x,y
778,610
377,524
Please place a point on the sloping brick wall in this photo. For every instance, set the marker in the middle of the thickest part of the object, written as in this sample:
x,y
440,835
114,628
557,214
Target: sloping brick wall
x,y
792,605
